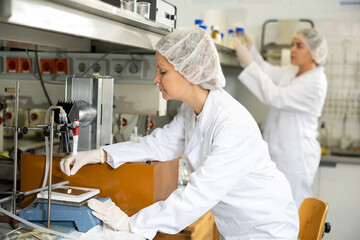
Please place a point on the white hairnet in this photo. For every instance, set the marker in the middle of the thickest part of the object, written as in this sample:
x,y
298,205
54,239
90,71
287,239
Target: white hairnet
x,y
193,54
316,44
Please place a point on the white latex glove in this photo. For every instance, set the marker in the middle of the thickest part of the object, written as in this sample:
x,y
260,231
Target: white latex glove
x,y
249,40
242,53
110,214
81,159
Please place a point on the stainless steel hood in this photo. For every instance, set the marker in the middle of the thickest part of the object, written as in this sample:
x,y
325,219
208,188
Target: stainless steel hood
x,y
73,25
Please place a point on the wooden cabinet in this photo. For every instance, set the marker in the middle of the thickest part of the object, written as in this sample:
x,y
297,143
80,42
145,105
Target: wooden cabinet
x,y
202,229
132,186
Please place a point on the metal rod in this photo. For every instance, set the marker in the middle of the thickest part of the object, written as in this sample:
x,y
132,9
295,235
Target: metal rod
x,y
29,128
5,199
50,166
6,192
15,146
42,125
34,128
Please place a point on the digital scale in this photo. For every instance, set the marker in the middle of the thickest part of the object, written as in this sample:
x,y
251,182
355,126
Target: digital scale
x,y
68,208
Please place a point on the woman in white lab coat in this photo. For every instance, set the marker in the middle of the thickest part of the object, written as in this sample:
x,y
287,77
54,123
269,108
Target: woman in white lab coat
x,y
296,95
232,174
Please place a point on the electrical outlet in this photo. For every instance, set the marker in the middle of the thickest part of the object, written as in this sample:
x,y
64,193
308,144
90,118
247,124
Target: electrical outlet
x,y
80,66
61,66
118,67
12,65
25,66
100,67
46,66
129,70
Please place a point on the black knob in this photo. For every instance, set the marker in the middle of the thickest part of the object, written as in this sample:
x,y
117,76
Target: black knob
x,y
20,197
20,135
327,227
24,130
46,132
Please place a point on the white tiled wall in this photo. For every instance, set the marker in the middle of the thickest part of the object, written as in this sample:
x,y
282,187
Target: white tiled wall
x,y
338,22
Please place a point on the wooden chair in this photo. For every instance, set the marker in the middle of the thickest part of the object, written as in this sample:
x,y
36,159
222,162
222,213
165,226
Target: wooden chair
x,y
312,214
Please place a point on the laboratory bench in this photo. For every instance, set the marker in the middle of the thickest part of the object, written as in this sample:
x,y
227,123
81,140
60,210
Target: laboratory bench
x,y
339,159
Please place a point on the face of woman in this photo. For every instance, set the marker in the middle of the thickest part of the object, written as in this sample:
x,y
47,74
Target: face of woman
x,y
171,83
300,55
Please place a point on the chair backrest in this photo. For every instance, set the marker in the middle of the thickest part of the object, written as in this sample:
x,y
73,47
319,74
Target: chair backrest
x,y
312,214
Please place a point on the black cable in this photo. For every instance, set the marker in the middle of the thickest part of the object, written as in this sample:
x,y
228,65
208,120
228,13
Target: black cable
x,y
33,72
132,66
40,77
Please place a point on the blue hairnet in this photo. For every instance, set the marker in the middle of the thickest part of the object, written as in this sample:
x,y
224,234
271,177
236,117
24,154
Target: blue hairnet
x,y
193,54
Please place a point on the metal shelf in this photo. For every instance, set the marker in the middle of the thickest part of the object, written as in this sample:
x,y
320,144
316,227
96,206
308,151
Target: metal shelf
x,y
227,56
72,25
82,26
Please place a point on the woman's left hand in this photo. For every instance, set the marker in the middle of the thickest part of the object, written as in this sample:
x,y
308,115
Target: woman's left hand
x,y
242,53
110,214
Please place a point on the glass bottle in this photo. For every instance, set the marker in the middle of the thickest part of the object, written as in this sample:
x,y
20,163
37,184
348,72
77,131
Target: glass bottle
x,y
323,138
240,34
222,39
229,39
184,172
216,34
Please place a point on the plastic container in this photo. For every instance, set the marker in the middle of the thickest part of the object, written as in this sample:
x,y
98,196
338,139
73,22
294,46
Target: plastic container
x,y
128,5
230,38
143,9
216,35
240,34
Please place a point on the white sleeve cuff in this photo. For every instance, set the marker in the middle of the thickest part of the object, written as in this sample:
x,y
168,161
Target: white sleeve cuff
x,y
110,159
148,235
246,70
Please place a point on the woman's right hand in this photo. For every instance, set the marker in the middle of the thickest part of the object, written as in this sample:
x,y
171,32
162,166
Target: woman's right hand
x,y
249,40
81,159
242,53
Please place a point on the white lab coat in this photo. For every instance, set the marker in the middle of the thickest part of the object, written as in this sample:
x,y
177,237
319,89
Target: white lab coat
x,y
291,128
232,174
